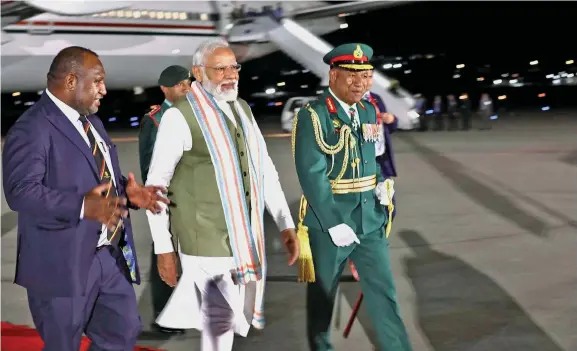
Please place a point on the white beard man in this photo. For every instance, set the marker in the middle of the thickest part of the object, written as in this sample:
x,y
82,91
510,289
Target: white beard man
x,y
211,155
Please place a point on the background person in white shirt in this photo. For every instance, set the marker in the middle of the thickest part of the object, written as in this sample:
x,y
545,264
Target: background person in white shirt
x,y
211,155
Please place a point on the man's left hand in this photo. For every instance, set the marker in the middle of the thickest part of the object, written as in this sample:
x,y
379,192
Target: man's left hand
x,y
291,244
145,197
388,118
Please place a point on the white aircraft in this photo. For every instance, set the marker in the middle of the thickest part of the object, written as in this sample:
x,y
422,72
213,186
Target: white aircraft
x,y
137,40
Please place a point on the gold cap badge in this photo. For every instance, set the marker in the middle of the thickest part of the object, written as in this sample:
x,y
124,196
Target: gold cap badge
x,y
358,53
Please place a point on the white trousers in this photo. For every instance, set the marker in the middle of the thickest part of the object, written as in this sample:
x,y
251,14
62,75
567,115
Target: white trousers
x,y
207,299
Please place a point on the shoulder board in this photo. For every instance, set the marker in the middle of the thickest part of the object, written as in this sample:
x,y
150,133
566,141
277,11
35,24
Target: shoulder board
x,y
153,110
362,105
331,104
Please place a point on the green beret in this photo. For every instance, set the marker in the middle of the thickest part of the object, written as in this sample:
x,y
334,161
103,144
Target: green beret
x,y
353,56
173,75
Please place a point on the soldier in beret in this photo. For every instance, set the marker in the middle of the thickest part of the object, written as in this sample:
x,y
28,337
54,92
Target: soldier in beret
x,y
341,210
174,82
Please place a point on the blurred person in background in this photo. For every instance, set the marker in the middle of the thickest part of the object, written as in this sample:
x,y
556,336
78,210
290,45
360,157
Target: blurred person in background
x,y
485,111
465,112
421,108
174,81
388,123
452,113
438,113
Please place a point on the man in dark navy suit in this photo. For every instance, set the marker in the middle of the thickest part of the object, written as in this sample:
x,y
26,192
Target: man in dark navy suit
x,y
76,254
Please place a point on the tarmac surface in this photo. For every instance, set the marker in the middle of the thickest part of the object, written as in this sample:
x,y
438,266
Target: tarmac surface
x,y
483,247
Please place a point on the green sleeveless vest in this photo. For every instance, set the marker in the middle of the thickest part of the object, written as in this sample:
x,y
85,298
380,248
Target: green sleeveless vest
x,y
197,218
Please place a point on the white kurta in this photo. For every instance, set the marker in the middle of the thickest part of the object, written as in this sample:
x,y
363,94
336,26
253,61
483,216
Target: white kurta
x,y
183,310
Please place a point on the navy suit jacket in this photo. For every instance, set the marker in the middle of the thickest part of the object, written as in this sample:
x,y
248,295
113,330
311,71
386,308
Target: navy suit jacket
x,y
48,167
388,160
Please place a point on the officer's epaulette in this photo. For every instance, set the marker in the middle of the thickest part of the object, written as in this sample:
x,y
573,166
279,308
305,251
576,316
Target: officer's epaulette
x,y
153,110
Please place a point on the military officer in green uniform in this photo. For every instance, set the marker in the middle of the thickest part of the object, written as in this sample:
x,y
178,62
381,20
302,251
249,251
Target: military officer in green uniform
x,y
174,82
334,147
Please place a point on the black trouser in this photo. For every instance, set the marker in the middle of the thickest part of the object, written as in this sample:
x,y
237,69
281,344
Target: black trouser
x,y
439,121
465,121
160,290
423,122
453,122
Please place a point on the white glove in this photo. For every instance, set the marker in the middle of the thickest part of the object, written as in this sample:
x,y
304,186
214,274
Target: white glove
x,y
381,191
343,235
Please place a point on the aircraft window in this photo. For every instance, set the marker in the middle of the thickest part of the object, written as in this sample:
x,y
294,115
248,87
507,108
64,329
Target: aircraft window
x,y
159,15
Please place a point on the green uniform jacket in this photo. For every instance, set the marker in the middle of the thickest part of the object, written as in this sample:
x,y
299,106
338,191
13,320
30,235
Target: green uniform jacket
x,y
147,136
362,211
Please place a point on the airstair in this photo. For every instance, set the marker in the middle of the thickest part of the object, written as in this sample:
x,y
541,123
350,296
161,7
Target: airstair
x,y
308,50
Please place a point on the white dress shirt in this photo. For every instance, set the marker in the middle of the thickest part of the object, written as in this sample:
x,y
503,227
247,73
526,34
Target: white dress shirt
x,y
74,118
172,140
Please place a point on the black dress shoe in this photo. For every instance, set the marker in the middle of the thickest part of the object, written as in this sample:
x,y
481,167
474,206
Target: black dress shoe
x,y
167,330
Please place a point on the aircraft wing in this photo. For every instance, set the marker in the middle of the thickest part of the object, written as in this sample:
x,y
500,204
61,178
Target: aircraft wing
x,y
344,9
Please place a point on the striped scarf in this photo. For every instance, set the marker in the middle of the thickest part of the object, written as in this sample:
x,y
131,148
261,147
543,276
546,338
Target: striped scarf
x,y
246,230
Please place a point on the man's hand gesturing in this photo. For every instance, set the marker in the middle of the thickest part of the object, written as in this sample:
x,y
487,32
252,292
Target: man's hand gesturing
x,y
106,210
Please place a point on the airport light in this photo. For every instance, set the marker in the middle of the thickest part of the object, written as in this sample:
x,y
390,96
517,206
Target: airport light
x,y
549,76
270,91
459,66
397,65
16,93
505,75
344,25
513,81
456,76
533,63
542,95
407,71
480,79
502,97
304,86
497,81
569,62
387,66
280,84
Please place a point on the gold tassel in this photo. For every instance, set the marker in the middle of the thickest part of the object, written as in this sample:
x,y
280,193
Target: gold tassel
x,y
306,266
389,185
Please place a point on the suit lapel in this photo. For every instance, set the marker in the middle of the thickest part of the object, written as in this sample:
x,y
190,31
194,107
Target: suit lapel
x,y
63,124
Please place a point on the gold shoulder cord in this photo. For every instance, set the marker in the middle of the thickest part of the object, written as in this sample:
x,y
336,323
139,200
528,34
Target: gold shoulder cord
x,y
306,266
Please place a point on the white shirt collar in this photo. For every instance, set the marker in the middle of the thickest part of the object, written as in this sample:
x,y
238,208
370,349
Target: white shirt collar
x,y
68,111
